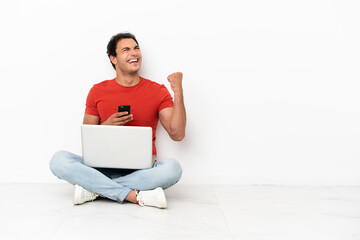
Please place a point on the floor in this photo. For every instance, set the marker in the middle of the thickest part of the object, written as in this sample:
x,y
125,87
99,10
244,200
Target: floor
x,y
45,211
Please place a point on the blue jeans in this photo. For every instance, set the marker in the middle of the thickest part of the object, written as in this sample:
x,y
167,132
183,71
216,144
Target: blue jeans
x,y
114,184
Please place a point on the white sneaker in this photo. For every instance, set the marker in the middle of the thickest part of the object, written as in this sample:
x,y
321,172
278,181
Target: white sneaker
x,y
153,198
82,195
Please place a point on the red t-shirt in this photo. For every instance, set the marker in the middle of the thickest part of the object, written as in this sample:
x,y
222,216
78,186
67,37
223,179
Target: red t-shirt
x,y
146,99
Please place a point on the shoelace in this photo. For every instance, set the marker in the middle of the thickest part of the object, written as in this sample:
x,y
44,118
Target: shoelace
x,y
88,195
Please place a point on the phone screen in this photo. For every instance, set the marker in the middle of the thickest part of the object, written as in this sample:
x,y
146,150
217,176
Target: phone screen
x,y
124,108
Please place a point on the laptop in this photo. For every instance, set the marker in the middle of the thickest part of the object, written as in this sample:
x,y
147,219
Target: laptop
x,y
117,146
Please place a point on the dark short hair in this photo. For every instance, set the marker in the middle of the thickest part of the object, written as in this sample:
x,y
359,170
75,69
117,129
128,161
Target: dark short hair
x,y
111,47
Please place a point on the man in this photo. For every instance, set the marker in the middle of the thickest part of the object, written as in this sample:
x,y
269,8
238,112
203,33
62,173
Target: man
x,y
149,102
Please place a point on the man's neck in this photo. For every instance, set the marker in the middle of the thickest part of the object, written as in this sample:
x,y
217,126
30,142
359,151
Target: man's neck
x,y
127,80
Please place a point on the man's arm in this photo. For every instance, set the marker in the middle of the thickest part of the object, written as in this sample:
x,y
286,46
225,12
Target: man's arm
x,y
91,119
115,119
174,119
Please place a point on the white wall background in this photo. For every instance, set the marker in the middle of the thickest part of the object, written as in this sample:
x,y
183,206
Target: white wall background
x,y
271,87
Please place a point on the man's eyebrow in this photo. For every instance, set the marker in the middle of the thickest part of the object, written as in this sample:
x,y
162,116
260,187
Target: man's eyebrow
x,y
127,48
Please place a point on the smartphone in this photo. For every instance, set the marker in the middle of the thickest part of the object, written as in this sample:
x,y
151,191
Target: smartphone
x,y
124,108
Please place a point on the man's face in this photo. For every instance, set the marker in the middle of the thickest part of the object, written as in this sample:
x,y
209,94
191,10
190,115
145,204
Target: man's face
x,y
128,57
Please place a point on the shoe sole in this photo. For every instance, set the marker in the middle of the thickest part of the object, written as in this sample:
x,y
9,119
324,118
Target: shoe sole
x,y
76,195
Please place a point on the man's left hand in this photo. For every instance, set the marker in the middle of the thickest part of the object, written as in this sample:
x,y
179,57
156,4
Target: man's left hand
x,y
175,80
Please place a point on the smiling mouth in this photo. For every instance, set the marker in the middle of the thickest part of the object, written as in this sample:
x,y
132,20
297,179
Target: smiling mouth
x,y
133,60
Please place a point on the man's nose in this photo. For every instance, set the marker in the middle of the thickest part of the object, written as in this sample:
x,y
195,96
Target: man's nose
x,y
133,53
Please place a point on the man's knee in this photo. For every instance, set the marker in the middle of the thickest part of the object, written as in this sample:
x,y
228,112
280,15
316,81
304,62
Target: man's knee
x,y
174,170
57,162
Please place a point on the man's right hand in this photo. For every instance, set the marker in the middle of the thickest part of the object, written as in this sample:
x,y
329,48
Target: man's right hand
x,y
118,119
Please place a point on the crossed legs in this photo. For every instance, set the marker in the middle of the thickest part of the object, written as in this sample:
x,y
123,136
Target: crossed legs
x,y
115,184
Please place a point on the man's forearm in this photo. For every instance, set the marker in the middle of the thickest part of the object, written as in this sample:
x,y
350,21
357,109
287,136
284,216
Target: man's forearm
x,y
178,120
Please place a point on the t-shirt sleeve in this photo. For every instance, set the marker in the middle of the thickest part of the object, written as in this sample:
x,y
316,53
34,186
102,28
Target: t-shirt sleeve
x,y
91,108
166,99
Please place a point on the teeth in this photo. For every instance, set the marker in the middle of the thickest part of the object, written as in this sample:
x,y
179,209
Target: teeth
x,y
133,60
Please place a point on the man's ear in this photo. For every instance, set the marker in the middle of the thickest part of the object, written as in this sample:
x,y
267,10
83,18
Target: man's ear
x,y
113,60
